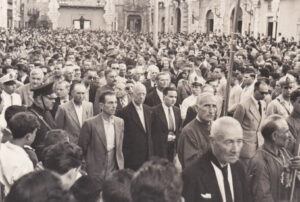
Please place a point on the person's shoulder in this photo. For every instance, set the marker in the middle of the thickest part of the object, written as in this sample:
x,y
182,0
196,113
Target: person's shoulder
x,y
196,168
93,119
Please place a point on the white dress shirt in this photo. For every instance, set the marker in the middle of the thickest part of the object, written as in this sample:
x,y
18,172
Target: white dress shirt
x,y
140,112
79,111
160,95
187,102
109,133
220,181
166,110
14,163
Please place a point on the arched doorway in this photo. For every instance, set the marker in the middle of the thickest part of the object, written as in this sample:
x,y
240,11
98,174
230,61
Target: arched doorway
x,y
240,20
134,23
178,20
209,22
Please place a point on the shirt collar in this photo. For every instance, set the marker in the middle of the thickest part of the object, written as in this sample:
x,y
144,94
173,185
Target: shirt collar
x,y
159,93
165,106
76,104
137,106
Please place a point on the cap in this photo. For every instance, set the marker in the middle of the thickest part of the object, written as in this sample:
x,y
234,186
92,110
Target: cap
x,y
196,80
8,79
287,81
45,89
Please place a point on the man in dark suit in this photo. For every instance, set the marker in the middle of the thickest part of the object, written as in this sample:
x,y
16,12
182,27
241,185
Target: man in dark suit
x,y
166,122
137,145
71,115
155,97
111,81
217,175
101,138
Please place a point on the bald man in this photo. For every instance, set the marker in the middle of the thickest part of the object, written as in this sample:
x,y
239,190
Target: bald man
x,y
218,175
193,141
137,143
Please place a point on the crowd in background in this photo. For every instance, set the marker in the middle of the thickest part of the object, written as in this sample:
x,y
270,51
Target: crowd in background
x,y
90,116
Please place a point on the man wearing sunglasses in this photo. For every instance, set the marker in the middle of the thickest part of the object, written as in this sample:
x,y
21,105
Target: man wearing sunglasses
x,y
251,113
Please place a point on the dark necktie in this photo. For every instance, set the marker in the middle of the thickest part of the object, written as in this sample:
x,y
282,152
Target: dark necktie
x,y
226,184
171,121
259,108
224,170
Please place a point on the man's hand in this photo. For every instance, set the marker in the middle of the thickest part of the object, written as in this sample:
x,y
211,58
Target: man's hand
x,y
171,137
295,163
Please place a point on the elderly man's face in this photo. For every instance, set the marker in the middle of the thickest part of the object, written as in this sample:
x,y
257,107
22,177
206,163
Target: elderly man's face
x,y
281,136
36,80
139,95
207,108
227,146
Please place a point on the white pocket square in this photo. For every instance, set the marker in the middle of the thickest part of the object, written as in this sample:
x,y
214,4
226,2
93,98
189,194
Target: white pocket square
x,y
206,196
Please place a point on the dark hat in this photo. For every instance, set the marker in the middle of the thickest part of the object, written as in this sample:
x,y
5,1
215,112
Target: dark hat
x,y
45,89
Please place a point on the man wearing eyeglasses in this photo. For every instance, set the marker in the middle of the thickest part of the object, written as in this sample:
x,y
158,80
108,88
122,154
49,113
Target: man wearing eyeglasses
x,y
250,113
282,104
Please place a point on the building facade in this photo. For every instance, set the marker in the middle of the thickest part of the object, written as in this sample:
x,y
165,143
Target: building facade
x,y
255,17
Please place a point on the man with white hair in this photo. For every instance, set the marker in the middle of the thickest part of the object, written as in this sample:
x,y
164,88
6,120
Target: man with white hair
x,y
218,175
151,76
35,79
137,143
193,141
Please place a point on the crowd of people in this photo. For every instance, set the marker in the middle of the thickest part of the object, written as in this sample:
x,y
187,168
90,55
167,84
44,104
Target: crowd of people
x,y
88,116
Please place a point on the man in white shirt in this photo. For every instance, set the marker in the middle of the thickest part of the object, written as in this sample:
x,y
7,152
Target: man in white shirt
x,y
14,161
101,138
196,85
71,115
166,123
249,78
9,97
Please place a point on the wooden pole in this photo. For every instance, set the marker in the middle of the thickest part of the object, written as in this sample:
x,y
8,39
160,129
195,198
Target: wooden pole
x,y
155,24
232,52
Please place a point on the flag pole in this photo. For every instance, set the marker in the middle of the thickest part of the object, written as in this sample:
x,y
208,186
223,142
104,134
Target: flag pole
x,y
155,24
232,52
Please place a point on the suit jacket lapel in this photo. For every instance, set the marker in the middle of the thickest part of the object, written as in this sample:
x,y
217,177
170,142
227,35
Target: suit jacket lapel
x,y
136,117
73,114
84,111
254,110
100,130
162,116
117,128
236,183
211,182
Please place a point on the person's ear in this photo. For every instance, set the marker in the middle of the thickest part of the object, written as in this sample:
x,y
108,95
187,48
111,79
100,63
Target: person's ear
x,y
273,136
